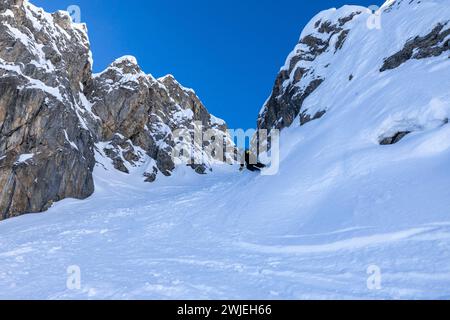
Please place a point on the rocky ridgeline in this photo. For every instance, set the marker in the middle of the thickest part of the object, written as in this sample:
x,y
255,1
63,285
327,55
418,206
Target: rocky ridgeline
x,y
57,118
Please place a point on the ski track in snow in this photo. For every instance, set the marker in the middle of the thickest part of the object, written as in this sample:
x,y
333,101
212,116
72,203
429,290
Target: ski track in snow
x,y
147,242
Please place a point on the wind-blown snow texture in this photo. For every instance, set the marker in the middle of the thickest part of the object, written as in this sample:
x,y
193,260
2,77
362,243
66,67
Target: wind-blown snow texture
x,y
340,203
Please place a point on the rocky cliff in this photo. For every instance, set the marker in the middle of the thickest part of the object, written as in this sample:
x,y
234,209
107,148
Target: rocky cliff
x,y
56,116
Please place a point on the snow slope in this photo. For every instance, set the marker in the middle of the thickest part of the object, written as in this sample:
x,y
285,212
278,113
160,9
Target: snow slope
x,y
340,206
220,236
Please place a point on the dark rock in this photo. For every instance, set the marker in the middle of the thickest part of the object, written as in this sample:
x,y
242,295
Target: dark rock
x,y
344,20
328,27
341,39
200,169
317,24
430,45
305,117
395,138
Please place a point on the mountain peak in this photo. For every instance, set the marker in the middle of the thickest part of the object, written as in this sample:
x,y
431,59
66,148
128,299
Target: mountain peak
x,y
126,64
170,82
127,59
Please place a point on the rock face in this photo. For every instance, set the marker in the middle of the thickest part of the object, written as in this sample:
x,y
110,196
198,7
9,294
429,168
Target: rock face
x,y
140,114
44,64
301,75
56,116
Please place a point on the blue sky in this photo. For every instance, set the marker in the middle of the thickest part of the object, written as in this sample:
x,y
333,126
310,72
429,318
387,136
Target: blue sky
x,y
228,51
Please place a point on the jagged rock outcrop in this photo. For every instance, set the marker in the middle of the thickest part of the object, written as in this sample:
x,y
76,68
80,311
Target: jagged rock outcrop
x,y
144,112
56,117
301,75
431,45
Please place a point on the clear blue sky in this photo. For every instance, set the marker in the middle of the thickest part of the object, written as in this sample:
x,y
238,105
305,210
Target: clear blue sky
x,y
228,51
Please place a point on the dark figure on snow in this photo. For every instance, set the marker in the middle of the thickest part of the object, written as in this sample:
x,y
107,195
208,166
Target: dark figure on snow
x,y
251,162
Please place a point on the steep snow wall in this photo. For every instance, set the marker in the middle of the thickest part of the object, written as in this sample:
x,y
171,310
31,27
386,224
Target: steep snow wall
x,y
378,147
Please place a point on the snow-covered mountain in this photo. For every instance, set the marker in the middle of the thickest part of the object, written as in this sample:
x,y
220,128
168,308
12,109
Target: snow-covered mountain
x,y
56,117
378,63
360,207
364,115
